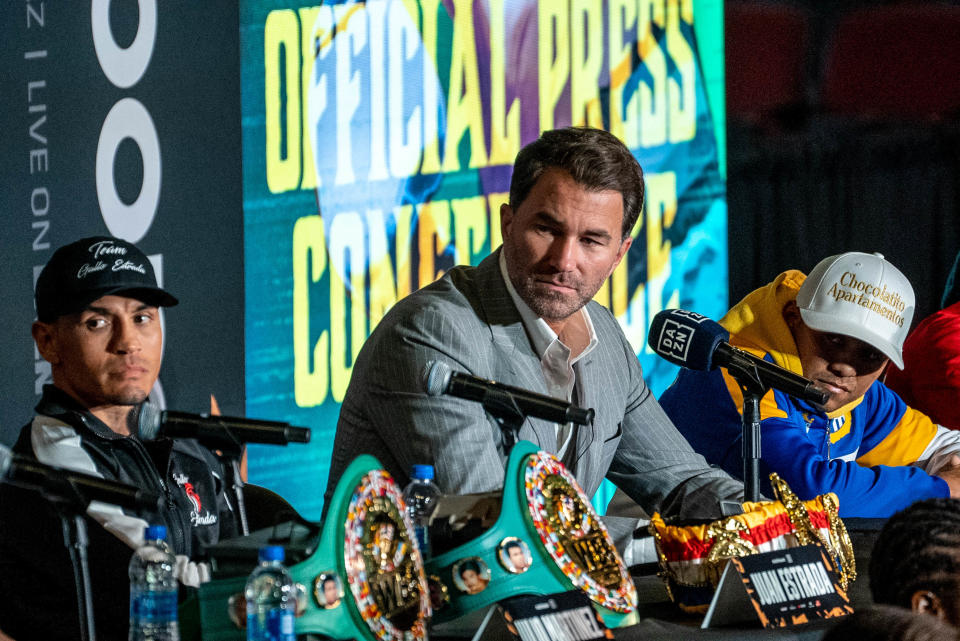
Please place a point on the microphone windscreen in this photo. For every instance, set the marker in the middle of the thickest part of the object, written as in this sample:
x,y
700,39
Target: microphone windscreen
x,y
686,338
436,377
151,417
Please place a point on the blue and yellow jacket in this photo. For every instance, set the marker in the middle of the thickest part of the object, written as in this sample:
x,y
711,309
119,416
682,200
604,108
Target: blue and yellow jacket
x,y
871,452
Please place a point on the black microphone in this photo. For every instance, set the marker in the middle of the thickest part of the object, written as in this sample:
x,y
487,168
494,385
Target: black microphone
x,y
217,432
694,341
440,379
66,485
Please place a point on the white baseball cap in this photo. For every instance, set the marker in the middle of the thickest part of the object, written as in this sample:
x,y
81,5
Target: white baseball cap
x,y
859,295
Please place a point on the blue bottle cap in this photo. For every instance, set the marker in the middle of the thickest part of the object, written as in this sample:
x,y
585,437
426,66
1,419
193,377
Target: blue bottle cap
x,y
271,553
155,533
423,472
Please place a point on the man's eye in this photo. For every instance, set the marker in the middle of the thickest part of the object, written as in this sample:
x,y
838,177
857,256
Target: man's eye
x,y
142,318
95,323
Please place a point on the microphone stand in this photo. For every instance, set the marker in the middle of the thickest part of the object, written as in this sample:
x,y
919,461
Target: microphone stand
x,y
753,390
503,408
71,508
230,458
75,539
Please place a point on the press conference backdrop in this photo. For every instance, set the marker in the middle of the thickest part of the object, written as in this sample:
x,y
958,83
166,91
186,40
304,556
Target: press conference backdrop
x,y
378,140
123,118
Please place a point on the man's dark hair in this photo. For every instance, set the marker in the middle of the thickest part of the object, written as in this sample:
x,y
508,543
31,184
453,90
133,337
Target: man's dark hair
x,y
594,158
918,549
470,565
512,544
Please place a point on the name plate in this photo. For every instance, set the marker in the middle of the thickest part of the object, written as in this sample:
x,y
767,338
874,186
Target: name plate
x,y
780,589
565,616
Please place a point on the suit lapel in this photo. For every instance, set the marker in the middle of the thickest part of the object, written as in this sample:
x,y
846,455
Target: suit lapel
x,y
588,452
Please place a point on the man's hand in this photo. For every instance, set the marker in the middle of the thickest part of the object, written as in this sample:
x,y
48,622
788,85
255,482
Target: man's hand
x,y
193,574
951,474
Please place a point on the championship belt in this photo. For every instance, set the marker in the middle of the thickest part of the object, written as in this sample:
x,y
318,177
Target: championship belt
x,y
547,539
365,579
692,557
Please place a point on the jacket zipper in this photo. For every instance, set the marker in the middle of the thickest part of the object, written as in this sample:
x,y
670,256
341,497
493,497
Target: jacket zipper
x,y
826,438
173,514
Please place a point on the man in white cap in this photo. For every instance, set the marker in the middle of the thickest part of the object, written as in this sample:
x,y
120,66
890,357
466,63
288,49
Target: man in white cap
x,y
839,327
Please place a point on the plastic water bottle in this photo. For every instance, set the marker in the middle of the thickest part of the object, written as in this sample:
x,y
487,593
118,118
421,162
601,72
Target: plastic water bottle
x,y
421,496
271,599
153,589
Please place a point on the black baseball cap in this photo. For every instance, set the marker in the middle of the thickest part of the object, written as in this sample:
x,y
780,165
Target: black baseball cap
x,y
83,271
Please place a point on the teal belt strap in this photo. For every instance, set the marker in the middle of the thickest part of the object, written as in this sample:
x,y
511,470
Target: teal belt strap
x,y
565,543
365,579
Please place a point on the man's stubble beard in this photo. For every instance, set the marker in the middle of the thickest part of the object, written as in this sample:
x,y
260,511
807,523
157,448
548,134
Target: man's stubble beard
x,y
550,306
130,398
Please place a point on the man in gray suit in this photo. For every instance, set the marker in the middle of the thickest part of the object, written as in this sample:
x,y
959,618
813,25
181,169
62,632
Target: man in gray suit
x,y
524,317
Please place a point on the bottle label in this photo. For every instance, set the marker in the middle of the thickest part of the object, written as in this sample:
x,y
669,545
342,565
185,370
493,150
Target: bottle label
x,y
154,607
280,625
422,539
276,625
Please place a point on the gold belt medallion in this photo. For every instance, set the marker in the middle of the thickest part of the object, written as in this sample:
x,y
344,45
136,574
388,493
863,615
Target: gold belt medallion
x,y
383,561
574,535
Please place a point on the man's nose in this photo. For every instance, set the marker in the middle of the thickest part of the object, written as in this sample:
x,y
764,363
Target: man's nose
x,y
126,338
563,253
842,367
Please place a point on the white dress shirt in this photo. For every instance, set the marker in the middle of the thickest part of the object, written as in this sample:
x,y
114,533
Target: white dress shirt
x,y
556,358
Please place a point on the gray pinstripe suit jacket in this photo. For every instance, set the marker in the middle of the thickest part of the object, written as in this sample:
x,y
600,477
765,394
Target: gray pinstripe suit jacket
x,y
468,320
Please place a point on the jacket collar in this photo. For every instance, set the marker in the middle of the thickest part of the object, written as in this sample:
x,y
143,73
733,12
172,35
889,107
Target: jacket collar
x,y
757,321
58,404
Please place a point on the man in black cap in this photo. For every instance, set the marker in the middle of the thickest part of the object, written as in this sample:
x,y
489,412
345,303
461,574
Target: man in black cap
x,y
98,325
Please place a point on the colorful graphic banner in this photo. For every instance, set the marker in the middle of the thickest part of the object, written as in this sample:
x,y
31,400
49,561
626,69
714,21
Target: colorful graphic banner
x,y
378,141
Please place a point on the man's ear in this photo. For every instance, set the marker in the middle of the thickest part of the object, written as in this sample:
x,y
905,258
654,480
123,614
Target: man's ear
x,y
624,248
45,336
791,314
506,219
926,602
